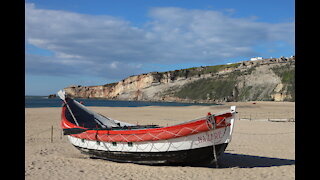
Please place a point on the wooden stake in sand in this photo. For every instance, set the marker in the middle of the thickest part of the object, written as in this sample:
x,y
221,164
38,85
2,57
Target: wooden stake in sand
x,y
52,133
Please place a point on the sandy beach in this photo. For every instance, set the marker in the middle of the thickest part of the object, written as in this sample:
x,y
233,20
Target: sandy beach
x,y
260,149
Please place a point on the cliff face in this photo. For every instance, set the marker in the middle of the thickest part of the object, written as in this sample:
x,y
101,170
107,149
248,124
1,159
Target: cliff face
x,y
268,79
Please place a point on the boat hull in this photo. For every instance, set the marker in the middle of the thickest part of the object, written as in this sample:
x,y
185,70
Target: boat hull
x,y
196,148
202,155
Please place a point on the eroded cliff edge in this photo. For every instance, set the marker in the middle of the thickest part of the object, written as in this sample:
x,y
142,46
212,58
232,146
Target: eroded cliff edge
x,y
261,80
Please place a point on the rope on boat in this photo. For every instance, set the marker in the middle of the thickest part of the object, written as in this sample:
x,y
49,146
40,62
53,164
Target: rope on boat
x,y
211,119
115,138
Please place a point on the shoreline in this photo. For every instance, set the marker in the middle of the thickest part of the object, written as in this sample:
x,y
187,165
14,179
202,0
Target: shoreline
x,y
169,102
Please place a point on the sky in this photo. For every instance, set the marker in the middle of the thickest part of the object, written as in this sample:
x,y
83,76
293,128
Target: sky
x,y
95,42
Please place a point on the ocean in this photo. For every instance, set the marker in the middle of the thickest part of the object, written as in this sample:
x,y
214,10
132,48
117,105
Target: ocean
x,y
43,101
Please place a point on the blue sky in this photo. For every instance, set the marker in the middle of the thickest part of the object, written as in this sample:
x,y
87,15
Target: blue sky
x,y
94,42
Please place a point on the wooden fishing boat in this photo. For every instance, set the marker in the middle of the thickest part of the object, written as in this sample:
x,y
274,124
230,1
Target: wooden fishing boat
x,y
201,140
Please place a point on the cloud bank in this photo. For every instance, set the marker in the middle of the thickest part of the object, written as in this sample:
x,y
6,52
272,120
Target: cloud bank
x,y
112,47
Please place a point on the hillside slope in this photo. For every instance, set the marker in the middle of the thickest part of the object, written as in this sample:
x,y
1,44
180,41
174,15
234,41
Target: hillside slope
x,y
261,80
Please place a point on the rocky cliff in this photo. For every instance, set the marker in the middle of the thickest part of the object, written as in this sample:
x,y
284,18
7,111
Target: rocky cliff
x,y
267,79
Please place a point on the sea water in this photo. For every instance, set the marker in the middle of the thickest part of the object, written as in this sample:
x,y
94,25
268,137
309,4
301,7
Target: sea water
x,y
43,101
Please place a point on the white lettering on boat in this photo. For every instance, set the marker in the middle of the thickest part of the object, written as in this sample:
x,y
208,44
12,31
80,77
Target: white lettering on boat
x,y
208,137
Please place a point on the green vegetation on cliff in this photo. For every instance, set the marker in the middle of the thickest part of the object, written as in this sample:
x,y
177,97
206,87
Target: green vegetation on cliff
x,y
209,88
198,71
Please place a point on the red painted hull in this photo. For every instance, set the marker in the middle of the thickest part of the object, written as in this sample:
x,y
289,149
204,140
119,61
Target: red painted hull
x,y
152,134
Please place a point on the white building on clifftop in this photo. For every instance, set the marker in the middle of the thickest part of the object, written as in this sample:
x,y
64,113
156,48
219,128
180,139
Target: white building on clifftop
x,y
256,58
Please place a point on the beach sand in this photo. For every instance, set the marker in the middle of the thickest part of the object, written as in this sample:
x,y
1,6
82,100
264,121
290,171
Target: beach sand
x,y
259,149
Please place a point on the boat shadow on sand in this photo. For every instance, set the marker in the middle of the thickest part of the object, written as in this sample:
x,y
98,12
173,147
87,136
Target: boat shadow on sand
x,y
230,160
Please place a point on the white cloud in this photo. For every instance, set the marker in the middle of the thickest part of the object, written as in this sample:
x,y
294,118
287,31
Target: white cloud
x,y
100,45
114,65
205,35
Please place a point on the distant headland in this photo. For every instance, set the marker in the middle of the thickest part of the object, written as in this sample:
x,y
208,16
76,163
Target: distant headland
x,y
258,79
